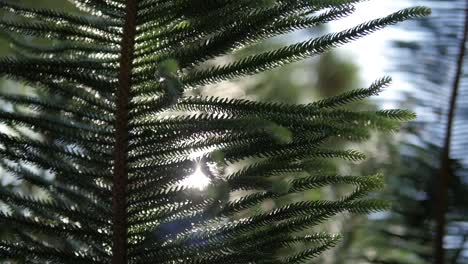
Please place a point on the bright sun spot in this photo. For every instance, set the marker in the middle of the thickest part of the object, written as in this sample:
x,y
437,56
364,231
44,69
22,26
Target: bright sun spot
x,y
197,180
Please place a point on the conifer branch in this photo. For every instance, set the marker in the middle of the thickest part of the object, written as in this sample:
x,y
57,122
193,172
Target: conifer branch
x,y
120,137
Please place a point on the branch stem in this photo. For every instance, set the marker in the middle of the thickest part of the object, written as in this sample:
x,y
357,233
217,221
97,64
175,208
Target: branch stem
x,y
119,207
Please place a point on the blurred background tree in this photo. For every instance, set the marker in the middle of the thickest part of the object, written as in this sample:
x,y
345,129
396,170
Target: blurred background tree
x,y
427,173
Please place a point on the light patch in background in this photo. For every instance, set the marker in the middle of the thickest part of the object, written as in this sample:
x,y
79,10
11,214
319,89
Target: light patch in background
x,y
371,53
197,180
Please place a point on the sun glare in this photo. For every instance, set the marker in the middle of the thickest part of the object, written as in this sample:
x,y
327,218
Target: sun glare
x,y
197,180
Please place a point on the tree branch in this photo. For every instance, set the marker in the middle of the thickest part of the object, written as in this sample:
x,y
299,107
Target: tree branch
x,y
119,207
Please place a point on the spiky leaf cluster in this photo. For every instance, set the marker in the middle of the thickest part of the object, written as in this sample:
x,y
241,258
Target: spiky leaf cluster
x,y
73,130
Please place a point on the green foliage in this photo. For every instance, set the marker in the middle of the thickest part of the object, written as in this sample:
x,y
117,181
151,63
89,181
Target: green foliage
x,y
74,132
